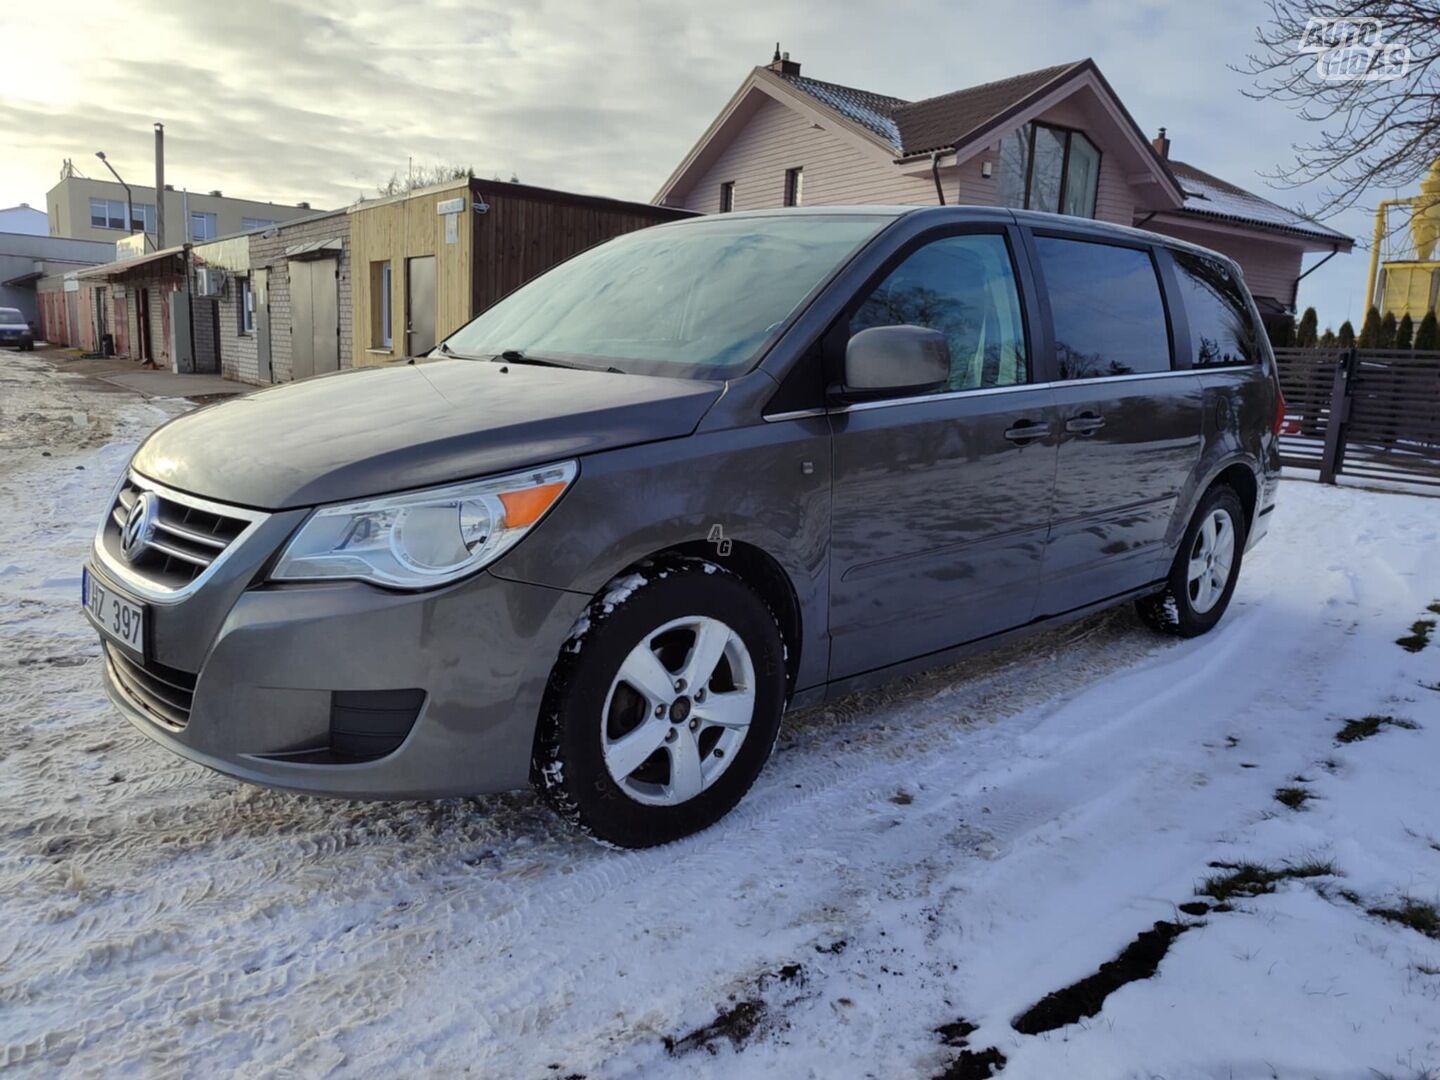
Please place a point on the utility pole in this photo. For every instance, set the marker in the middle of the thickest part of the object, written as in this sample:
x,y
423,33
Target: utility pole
x,y
159,186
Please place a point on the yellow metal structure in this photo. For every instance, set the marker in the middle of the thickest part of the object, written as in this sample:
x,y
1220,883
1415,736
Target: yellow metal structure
x,y
1408,286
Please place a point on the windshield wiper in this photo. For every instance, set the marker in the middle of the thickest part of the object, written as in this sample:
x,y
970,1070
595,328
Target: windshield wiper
x,y
516,356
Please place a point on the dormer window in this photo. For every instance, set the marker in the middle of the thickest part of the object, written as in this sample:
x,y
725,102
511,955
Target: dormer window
x,y
1054,169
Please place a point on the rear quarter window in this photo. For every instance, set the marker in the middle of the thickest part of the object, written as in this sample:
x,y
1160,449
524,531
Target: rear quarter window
x,y
1106,308
1222,332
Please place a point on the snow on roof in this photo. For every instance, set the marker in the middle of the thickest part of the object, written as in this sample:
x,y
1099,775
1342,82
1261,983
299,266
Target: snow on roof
x,y
875,112
1213,197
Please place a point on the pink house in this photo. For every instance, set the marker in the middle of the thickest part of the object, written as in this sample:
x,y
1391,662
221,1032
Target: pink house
x,y
1057,139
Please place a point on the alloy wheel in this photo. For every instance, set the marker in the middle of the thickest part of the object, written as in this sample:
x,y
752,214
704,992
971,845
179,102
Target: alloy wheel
x,y
1211,557
678,710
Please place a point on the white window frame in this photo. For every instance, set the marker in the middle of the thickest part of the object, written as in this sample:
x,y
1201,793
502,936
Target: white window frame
x,y
212,221
387,336
246,305
795,186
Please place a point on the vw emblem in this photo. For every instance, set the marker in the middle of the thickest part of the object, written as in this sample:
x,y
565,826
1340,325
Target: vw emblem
x,y
139,525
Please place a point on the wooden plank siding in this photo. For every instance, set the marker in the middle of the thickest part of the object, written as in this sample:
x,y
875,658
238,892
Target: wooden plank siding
x,y
777,137
526,232
392,231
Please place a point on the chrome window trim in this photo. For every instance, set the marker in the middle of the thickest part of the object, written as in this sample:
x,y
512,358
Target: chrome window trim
x,y
951,395
143,586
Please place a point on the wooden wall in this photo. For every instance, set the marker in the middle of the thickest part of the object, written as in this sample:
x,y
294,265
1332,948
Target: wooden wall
x,y
397,229
527,230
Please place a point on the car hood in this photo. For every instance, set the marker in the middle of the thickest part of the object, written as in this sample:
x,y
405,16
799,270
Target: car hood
x,y
370,431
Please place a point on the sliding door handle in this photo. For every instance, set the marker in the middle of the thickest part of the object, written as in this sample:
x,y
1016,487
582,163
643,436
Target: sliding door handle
x,y
1025,431
1085,424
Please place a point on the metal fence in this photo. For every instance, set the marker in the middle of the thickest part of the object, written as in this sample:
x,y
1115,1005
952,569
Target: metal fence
x,y
1371,413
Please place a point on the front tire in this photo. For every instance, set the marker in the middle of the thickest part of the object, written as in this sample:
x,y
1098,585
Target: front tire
x,y
663,706
1206,568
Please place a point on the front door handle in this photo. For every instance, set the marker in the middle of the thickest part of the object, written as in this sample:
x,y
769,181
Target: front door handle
x,y
1085,424
1025,431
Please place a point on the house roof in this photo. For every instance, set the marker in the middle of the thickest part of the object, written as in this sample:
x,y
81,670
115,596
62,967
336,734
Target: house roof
x,y
937,123
1209,196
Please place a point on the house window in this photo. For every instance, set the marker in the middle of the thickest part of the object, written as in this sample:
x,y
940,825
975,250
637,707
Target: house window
x,y
246,300
1047,168
727,196
381,334
252,224
202,226
110,214
794,184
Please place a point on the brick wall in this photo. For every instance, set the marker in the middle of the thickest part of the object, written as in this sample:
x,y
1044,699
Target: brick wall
x,y
268,252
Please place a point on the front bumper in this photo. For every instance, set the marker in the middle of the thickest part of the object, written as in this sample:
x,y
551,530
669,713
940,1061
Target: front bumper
x,y
481,650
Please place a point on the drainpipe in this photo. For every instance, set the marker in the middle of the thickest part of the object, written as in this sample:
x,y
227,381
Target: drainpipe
x,y
1333,252
935,172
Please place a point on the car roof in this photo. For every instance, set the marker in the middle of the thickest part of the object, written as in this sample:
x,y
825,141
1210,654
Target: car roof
x,y
960,213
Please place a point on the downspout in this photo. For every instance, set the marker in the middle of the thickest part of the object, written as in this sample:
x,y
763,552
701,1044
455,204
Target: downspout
x,y
935,172
1333,252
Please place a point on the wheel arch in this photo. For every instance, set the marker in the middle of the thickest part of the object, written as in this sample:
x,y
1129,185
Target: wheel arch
x,y
763,573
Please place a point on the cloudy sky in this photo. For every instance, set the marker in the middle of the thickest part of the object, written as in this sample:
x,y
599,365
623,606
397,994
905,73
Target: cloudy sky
x,y
317,101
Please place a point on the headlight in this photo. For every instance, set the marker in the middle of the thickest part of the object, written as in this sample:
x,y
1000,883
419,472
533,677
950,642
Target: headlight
x,y
424,538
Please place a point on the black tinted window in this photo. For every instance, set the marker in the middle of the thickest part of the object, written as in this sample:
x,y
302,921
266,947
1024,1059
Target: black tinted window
x,y
1105,300
964,287
1221,330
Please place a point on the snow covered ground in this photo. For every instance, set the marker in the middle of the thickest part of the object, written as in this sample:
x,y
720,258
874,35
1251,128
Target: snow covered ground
x,y
913,872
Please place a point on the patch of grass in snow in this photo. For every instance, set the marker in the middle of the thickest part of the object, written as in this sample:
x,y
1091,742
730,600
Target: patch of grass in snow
x,y
1366,726
971,1064
1139,960
1419,636
1293,797
1431,686
974,1065
1416,914
1433,607
1245,880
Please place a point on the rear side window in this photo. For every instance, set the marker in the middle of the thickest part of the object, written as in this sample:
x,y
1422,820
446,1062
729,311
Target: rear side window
x,y
1105,303
964,287
1221,330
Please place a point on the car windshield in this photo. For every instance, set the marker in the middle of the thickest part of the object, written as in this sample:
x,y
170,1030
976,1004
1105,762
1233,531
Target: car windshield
x,y
697,300
10,315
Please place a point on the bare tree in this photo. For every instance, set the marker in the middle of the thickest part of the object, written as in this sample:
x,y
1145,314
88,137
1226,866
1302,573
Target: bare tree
x,y
1374,133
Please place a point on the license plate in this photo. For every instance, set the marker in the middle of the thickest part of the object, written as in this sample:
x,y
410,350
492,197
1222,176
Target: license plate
x,y
117,616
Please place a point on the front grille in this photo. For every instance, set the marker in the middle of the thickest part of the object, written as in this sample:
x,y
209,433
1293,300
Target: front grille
x,y
184,542
162,693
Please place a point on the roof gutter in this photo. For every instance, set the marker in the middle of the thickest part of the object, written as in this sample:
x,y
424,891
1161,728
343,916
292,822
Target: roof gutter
x,y
935,172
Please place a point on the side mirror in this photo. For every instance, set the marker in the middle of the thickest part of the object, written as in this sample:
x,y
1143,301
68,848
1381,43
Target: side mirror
x,y
886,360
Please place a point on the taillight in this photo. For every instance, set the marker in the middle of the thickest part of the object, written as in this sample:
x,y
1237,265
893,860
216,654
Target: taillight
x,y
1279,412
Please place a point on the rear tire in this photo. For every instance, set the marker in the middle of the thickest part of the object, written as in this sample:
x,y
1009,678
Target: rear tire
x,y
1206,568
663,706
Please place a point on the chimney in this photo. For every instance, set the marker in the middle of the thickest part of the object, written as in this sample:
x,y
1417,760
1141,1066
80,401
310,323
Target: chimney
x,y
1161,145
215,193
781,63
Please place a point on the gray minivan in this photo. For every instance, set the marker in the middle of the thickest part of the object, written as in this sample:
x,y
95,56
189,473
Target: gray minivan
x,y
606,533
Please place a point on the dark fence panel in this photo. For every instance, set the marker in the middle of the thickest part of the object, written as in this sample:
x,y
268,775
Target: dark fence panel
x,y
1371,413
